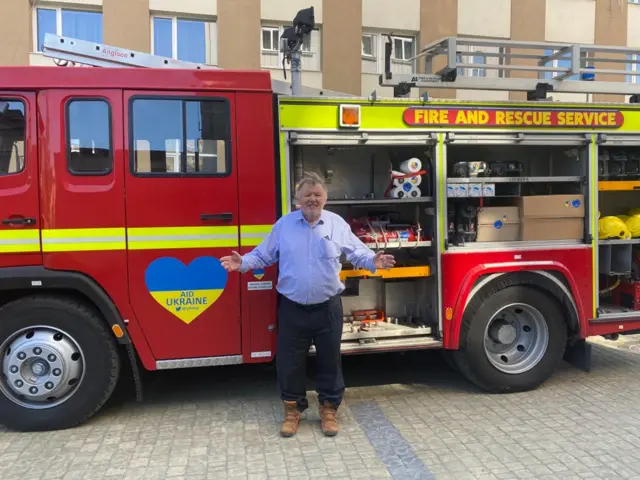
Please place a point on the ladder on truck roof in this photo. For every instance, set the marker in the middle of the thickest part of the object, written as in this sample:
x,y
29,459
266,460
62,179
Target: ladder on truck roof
x,y
574,70
65,49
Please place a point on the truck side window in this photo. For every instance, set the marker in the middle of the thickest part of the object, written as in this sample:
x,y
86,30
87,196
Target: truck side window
x,y
192,139
89,149
12,136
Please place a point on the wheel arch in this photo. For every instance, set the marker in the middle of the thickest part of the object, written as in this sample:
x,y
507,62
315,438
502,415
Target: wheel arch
x,y
17,282
550,281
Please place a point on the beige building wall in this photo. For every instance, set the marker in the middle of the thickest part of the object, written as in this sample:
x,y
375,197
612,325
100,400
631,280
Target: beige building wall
x,y
126,24
335,57
342,46
611,29
16,34
528,23
438,18
239,32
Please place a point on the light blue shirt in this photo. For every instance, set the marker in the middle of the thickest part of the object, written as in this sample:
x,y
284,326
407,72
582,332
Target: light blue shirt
x,y
308,256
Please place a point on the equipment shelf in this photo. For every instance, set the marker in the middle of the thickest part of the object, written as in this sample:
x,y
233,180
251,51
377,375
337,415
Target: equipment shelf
x,y
379,201
393,273
515,179
619,241
618,185
395,245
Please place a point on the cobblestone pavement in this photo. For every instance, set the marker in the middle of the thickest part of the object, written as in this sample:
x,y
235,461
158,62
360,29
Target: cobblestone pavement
x,y
405,416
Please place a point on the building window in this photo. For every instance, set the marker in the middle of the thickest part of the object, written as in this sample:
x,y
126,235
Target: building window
x,y
403,48
368,46
633,66
80,24
270,39
184,39
270,48
634,1
560,63
89,149
193,138
12,136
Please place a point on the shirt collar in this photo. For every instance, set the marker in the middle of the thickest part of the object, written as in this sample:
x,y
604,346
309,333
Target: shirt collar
x,y
321,221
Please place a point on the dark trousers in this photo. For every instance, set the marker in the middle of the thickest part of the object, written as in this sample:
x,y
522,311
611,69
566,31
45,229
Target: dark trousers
x,y
298,326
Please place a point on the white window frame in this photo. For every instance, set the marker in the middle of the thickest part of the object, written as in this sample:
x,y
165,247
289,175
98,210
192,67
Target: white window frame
x,y
305,50
636,2
58,10
404,39
271,30
374,40
174,33
633,67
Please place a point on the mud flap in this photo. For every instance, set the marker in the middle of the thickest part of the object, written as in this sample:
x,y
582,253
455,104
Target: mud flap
x,y
136,370
578,355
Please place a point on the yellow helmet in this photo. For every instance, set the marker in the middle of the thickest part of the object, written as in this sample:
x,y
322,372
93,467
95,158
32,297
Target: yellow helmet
x,y
613,227
633,224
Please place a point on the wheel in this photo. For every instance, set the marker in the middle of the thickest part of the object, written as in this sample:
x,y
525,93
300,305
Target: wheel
x,y
511,339
60,363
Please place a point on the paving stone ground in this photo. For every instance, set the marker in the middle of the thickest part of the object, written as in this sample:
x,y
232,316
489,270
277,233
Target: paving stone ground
x,y
404,416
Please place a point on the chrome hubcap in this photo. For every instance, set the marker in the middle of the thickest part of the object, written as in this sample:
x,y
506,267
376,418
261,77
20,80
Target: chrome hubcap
x,y
41,367
516,338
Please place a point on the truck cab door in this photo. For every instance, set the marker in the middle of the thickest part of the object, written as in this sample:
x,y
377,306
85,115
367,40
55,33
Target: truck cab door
x,y
182,216
19,206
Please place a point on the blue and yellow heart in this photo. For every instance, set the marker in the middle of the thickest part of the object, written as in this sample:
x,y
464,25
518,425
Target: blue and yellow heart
x,y
186,291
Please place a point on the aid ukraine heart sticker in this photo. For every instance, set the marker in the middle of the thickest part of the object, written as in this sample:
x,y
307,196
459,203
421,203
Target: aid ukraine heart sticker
x,y
186,291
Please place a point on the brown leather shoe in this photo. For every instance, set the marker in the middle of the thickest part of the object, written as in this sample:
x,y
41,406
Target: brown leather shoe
x,y
291,419
328,419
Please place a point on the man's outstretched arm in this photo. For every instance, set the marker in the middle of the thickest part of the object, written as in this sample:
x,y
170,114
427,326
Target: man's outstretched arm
x,y
265,254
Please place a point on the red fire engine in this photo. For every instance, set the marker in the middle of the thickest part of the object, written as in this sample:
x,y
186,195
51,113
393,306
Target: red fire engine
x,y
512,222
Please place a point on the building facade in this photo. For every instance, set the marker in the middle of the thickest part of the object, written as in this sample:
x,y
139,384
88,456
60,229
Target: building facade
x,y
345,52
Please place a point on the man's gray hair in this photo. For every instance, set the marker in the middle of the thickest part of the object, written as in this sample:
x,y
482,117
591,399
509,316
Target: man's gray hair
x,y
312,179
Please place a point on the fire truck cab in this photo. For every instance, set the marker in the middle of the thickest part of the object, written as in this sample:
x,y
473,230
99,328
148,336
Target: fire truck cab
x,y
122,187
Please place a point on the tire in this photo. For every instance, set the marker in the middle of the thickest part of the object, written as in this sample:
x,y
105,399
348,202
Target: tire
x,y
69,335
524,356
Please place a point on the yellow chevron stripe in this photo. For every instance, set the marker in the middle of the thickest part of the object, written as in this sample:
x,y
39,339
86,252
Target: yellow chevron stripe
x,y
83,239
19,241
139,238
252,235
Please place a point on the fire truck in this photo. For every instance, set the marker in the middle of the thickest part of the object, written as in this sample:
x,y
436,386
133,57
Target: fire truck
x,y
513,223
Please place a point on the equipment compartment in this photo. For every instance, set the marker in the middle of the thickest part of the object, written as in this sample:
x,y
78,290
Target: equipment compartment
x,y
388,199
515,191
619,227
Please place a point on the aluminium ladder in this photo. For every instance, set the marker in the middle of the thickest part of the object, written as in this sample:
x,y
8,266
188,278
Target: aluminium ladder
x,y
65,49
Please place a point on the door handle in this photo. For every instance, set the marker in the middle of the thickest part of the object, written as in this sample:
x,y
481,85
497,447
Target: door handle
x,y
228,216
19,221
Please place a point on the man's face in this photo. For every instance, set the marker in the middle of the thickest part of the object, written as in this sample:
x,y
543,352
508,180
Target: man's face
x,y
312,200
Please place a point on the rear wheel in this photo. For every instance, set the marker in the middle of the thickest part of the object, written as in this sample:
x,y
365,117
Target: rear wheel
x,y
60,363
511,339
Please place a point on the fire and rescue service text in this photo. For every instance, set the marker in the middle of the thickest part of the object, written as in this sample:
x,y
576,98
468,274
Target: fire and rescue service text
x,y
511,117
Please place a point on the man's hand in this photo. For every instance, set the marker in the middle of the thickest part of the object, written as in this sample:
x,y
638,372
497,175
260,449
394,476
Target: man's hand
x,y
383,261
232,263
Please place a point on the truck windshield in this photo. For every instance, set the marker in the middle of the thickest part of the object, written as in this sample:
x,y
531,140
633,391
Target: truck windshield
x,y
12,136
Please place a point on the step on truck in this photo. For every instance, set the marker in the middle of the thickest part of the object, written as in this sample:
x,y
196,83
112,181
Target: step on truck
x,y
514,223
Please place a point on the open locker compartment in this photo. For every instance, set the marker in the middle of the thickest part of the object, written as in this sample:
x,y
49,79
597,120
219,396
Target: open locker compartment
x,y
619,227
396,308
511,191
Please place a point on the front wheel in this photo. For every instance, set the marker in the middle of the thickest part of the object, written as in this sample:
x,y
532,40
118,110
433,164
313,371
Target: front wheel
x,y
60,363
511,339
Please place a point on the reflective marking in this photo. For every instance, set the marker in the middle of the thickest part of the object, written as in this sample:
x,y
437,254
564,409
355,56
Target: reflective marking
x,y
83,239
162,238
20,241
252,235
142,238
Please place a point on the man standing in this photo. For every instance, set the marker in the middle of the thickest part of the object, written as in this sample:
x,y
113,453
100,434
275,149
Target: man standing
x,y
307,244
